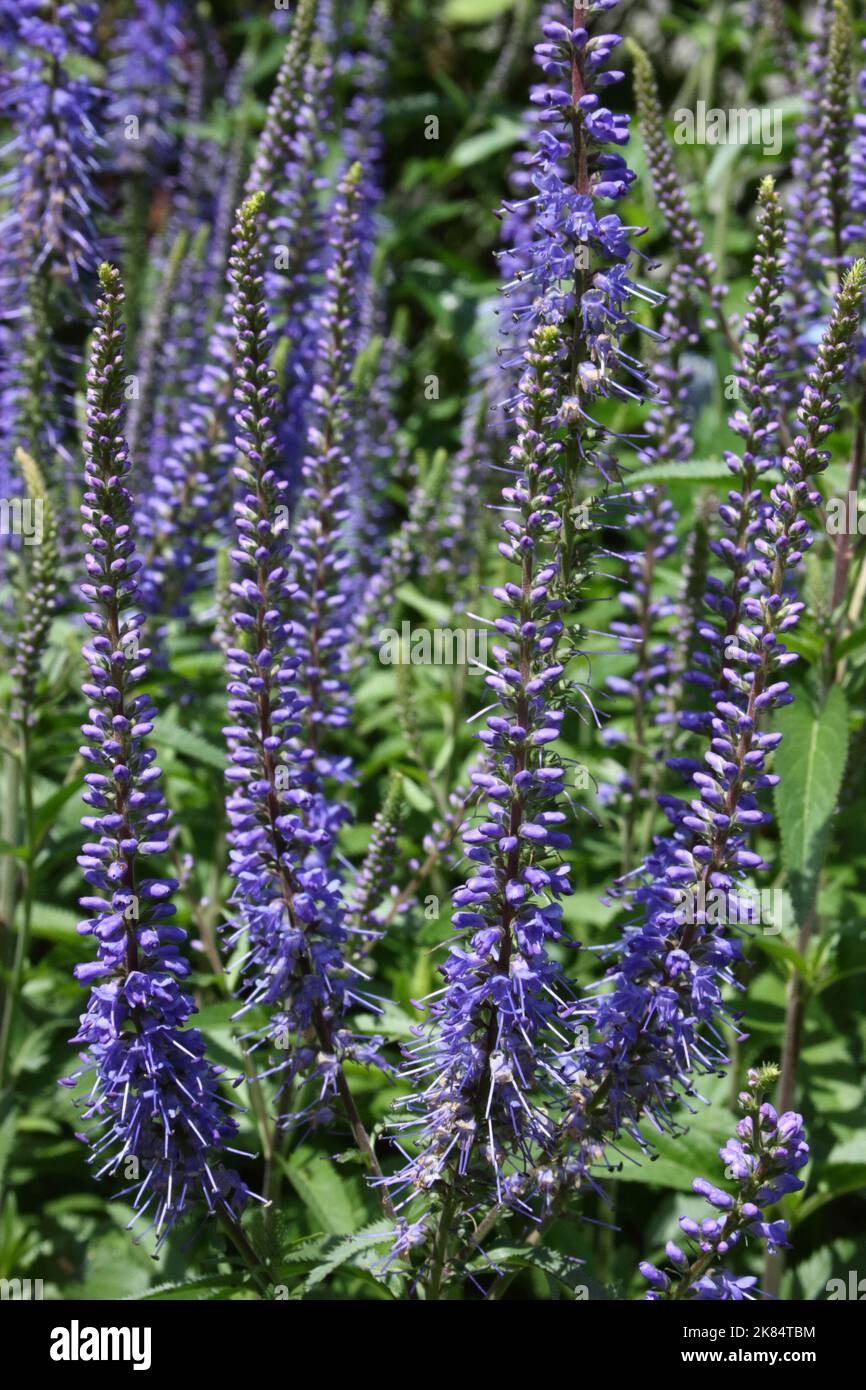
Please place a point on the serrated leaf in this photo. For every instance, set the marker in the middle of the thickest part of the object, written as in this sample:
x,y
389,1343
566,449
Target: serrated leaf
x,y
810,762
339,1250
189,744
678,1158
51,923
195,1290
325,1194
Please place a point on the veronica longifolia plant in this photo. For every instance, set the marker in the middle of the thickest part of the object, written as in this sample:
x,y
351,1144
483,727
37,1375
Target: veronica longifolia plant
x,y
291,916
529,1047
153,1107
764,1158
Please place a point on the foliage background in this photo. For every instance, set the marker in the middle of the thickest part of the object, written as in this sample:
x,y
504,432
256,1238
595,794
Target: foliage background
x,y
467,62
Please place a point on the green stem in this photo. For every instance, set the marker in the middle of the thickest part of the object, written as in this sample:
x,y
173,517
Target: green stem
x,y
434,1287
258,1269
503,1282
9,870
22,936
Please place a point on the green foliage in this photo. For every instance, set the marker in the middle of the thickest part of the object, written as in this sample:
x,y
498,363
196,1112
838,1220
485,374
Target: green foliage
x,y
811,765
323,1236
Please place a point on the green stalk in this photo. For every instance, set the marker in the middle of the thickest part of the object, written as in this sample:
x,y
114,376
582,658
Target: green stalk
x,y
22,936
9,867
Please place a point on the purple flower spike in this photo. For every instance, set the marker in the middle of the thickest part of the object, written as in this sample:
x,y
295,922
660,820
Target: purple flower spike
x,y
322,554
764,1166
288,903
154,1098
487,1057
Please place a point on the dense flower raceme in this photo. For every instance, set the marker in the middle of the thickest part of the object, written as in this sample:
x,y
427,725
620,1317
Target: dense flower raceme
x,y
493,1051
763,1158
395,564
455,538
189,258
154,1101
658,1018
373,881
685,232
42,584
576,264
819,205
299,229
855,229
642,631
289,909
835,127
146,80
52,114
756,423
648,634
47,231
321,558
376,453
481,1071
645,634
274,144
190,495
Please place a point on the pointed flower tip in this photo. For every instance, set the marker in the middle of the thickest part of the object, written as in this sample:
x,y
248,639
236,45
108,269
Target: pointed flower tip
x,y
108,275
250,208
764,1076
856,278
638,54
767,189
23,459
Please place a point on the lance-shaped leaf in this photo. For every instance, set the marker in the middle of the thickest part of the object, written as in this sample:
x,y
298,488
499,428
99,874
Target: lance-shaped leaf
x,y
810,762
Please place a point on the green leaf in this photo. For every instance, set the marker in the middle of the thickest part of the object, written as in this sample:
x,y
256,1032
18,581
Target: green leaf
x,y
325,1194
810,762
852,643
681,1157
477,148
46,812
193,1290
831,1181
338,1251
429,608
695,471
114,1268
474,11
189,744
51,923
8,1118
565,1269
